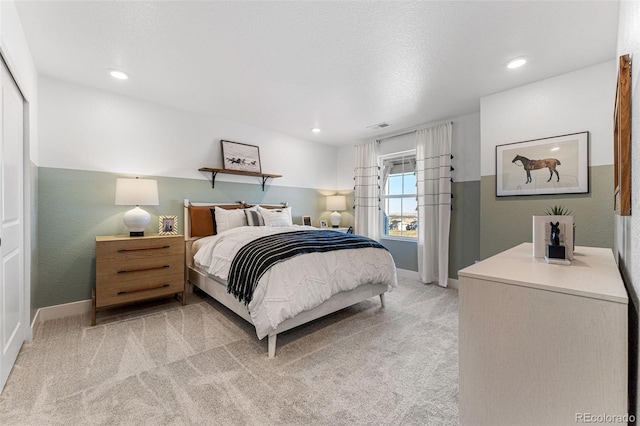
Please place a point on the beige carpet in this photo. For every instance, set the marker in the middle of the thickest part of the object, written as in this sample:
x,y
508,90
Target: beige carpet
x,y
162,363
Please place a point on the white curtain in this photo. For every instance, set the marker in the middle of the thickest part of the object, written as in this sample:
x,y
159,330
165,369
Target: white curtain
x,y
367,191
433,181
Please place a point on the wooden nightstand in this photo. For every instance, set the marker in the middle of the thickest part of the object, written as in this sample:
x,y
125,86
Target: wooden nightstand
x,y
129,269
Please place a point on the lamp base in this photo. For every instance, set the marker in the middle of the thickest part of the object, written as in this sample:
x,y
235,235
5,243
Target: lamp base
x,y
335,218
136,220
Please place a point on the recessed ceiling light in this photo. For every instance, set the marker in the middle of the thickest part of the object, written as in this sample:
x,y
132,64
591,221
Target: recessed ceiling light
x,y
555,148
118,74
516,63
316,130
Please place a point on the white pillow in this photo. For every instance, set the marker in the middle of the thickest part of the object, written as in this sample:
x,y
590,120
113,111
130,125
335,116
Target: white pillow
x,y
277,217
262,210
227,219
254,217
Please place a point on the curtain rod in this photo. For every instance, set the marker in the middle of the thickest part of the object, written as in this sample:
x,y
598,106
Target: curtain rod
x,y
400,134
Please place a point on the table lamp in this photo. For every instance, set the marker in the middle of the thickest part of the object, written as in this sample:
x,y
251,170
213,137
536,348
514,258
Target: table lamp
x,y
136,192
335,203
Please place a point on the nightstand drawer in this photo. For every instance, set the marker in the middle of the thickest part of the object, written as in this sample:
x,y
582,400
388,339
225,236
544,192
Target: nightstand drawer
x,y
140,268
124,250
118,291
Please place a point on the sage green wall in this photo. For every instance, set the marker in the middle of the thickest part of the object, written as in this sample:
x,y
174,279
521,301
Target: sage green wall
x,y
405,253
33,173
75,205
464,240
507,222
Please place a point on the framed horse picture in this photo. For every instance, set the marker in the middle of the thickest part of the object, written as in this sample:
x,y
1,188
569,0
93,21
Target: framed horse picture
x,y
240,156
555,165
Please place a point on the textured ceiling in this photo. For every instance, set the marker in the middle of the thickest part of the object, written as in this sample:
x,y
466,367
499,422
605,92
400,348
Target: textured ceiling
x,y
293,65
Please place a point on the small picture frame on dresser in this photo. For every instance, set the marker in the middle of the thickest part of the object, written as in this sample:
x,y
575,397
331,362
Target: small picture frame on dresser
x,y
306,220
168,225
323,224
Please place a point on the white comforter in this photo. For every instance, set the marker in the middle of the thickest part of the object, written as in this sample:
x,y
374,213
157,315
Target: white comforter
x,y
300,283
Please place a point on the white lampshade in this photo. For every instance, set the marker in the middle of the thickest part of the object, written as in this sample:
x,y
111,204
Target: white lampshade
x,y
335,203
136,192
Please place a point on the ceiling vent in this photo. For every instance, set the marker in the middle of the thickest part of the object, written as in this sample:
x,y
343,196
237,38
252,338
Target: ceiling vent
x,y
378,126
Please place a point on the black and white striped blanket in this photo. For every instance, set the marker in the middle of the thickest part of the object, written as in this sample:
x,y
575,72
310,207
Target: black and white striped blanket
x,y
257,256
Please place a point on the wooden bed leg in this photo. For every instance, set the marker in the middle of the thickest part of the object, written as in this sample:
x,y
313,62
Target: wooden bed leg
x,y
382,299
272,345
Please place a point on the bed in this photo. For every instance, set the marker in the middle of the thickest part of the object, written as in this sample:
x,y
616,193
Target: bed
x,y
293,291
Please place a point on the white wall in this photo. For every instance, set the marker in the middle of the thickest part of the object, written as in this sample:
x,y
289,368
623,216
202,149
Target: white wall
x,y
569,103
16,52
627,241
465,147
88,129
627,235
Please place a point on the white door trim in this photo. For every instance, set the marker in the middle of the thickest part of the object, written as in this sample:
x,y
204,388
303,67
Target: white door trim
x,y
23,332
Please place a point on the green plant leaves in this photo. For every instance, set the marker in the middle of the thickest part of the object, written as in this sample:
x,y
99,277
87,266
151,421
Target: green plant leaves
x,y
557,211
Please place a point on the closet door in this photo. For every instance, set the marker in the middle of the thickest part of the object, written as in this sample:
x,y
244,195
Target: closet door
x,y
13,318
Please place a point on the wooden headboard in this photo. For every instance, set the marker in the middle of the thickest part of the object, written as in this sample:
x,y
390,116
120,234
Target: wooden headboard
x,y
197,216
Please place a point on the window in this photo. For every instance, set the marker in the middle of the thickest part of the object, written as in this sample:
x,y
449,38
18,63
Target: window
x,y
400,215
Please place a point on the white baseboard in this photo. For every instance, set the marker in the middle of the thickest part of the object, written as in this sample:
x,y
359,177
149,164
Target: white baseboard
x,y
413,275
61,311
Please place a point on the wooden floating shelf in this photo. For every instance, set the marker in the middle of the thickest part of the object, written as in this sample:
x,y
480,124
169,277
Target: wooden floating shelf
x,y
214,172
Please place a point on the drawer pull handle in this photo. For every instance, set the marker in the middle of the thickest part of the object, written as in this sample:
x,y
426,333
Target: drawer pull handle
x,y
143,248
125,271
120,293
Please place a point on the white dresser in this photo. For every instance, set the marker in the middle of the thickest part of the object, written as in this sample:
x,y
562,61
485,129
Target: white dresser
x,y
542,344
